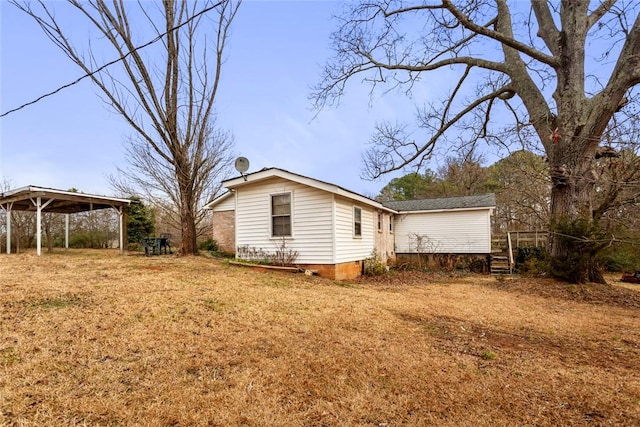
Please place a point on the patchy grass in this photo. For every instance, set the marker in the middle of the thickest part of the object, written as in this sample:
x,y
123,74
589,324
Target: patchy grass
x,y
93,338
53,302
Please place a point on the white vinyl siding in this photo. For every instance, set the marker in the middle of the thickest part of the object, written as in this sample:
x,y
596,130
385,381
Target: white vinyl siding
x,y
443,232
227,204
311,220
349,247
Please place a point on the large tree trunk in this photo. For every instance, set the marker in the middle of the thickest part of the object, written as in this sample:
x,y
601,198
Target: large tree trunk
x,y
573,241
573,139
187,222
187,210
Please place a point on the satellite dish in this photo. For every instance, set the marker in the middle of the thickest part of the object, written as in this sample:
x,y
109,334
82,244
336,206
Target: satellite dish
x,y
242,164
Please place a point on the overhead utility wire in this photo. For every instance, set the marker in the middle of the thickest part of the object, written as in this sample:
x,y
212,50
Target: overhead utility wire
x,y
108,64
584,239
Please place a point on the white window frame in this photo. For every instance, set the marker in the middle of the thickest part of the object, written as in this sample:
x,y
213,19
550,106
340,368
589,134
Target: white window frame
x,y
271,215
355,234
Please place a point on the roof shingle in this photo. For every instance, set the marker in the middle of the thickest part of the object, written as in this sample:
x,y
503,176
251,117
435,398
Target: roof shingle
x,y
478,201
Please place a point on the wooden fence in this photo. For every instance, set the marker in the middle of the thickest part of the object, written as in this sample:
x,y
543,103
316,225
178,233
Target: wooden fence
x,y
520,239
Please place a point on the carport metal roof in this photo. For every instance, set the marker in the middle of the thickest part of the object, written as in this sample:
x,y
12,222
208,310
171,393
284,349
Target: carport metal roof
x,y
39,199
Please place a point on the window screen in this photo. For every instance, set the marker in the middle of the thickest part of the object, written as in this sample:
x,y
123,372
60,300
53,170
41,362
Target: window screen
x,y
357,222
281,215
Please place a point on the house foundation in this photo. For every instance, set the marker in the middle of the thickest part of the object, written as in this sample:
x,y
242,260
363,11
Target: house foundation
x,y
343,271
477,263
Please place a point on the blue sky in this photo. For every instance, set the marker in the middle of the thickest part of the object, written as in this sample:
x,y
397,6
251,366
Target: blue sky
x,y
275,55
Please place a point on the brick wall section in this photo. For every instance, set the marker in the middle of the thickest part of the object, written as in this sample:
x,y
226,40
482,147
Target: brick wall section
x,y
224,230
348,270
324,270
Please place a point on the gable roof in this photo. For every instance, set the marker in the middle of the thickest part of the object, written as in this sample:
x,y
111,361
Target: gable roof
x,y
443,203
482,201
58,201
224,196
268,173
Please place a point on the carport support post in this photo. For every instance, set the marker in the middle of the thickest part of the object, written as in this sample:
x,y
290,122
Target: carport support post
x,y
38,225
39,207
8,211
9,231
66,231
121,230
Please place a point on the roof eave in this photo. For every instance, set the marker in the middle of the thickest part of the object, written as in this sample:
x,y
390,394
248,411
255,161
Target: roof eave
x,y
477,208
44,191
311,182
218,200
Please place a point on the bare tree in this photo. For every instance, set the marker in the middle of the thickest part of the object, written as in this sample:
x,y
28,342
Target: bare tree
x,y
23,226
53,227
559,70
148,174
522,184
618,176
165,89
463,174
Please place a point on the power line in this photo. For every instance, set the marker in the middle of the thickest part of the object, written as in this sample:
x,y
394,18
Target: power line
x,y
108,64
585,239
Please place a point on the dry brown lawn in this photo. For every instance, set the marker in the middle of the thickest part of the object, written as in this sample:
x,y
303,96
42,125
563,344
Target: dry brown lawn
x,y
94,338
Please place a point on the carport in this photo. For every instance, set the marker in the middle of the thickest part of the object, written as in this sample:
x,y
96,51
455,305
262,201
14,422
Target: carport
x,y
41,199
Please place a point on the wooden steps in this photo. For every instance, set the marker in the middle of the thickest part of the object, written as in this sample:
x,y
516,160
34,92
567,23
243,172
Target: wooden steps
x,y
500,264
505,248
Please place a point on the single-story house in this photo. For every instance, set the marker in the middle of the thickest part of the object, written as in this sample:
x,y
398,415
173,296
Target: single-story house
x,y
324,227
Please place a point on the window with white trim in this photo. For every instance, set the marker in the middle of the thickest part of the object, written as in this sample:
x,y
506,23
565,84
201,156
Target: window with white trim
x,y
357,221
281,215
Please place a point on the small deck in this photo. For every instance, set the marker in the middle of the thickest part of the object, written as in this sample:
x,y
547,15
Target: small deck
x,y
505,248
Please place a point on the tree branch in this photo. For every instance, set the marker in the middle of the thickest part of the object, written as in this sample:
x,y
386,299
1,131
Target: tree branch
x,y
547,29
600,11
502,38
378,163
